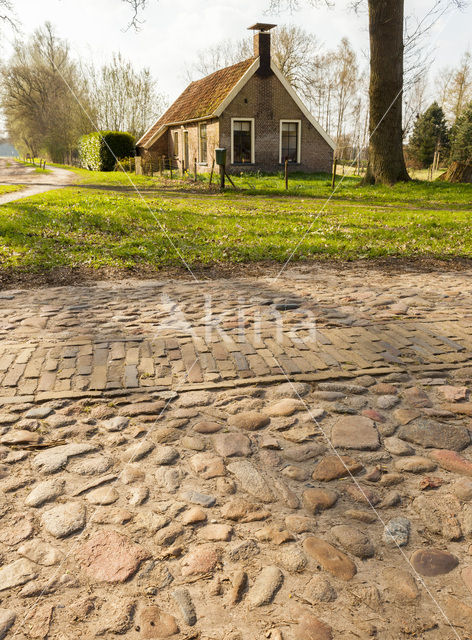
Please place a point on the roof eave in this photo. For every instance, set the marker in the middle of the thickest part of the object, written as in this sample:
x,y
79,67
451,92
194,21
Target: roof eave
x,y
165,126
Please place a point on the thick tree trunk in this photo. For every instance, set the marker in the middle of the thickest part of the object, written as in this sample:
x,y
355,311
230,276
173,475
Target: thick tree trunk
x,y
386,161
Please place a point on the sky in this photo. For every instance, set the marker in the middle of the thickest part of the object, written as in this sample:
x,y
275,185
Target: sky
x,y
175,30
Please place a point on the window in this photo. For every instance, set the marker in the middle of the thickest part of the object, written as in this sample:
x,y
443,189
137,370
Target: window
x,y
203,144
290,140
176,144
243,141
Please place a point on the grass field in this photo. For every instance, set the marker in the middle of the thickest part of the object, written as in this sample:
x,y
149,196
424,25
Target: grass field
x,y
103,222
419,193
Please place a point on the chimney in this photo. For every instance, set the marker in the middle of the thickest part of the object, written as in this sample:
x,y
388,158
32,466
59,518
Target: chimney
x,y
262,45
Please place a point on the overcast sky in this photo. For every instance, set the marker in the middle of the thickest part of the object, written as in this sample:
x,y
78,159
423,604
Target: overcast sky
x,y
174,30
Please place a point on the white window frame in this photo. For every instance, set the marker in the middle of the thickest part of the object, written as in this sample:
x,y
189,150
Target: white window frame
x,y
299,140
253,139
203,162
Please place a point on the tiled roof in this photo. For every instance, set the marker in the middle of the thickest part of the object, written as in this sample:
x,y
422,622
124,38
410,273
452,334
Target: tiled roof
x,y
201,98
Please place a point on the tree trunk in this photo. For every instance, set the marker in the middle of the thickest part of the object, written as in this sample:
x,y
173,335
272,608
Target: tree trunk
x,y
457,172
386,161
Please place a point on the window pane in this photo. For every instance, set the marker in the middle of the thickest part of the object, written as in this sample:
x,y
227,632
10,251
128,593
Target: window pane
x,y
242,141
290,141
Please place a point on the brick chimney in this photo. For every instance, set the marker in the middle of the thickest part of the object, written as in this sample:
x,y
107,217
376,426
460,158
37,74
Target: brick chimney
x,y
262,45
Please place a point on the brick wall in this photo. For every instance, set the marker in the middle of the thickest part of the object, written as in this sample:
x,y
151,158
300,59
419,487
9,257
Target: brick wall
x,y
165,145
267,100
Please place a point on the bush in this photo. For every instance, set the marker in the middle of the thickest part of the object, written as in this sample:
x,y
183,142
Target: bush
x,y
99,150
126,164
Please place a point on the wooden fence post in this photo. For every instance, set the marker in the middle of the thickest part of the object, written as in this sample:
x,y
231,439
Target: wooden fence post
x,y
170,167
211,174
222,176
286,173
333,180
195,170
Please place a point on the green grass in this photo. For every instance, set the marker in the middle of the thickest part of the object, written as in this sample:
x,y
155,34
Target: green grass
x,y
103,223
37,168
10,188
417,193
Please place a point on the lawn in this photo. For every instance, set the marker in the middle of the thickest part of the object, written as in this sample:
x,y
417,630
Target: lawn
x,y
10,188
417,193
103,222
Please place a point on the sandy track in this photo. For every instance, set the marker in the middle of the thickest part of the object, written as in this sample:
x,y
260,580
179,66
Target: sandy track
x,y
13,173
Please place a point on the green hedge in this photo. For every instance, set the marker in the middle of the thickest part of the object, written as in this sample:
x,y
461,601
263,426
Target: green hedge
x,y
98,150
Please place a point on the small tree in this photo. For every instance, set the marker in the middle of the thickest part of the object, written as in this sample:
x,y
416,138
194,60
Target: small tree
x,y
461,137
429,135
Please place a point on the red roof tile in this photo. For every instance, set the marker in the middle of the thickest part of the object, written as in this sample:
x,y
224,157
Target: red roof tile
x,y
201,98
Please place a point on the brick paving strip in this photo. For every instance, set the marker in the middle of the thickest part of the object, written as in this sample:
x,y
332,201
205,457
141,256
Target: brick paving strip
x,y
114,338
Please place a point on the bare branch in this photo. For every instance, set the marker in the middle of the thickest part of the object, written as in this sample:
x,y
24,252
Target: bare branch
x,y
7,15
137,6
277,6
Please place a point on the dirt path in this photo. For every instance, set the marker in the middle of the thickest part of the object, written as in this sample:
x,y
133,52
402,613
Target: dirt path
x,y
13,173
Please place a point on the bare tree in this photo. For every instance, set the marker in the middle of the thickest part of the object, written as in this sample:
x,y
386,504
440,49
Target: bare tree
x,y
123,98
295,51
386,31
455,87
414,102
346,75
7,13
42,91
223,54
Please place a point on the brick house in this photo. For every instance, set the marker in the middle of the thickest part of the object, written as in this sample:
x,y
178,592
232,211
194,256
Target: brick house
x,y
250,109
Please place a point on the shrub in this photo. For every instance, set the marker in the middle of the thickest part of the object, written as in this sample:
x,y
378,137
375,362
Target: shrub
x,y
99,150
126,164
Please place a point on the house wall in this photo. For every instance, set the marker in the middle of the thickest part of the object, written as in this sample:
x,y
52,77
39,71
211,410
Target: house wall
x,y
267,101
204,164
151,156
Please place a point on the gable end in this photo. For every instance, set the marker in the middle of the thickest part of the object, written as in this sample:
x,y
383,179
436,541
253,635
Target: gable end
x,y
309,116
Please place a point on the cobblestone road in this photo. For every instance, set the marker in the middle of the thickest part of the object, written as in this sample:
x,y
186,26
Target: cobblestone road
x,y
145,493
148,334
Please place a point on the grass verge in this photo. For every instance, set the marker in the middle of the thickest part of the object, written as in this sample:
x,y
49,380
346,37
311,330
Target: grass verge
x,y
97,228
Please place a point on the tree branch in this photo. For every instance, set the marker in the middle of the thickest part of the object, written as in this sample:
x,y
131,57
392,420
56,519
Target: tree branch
x,y
137,6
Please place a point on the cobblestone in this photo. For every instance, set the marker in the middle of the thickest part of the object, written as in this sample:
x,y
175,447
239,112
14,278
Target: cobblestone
x,y
218,507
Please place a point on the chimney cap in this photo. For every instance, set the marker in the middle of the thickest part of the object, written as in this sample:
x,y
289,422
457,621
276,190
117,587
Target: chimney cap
x,y
261,26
